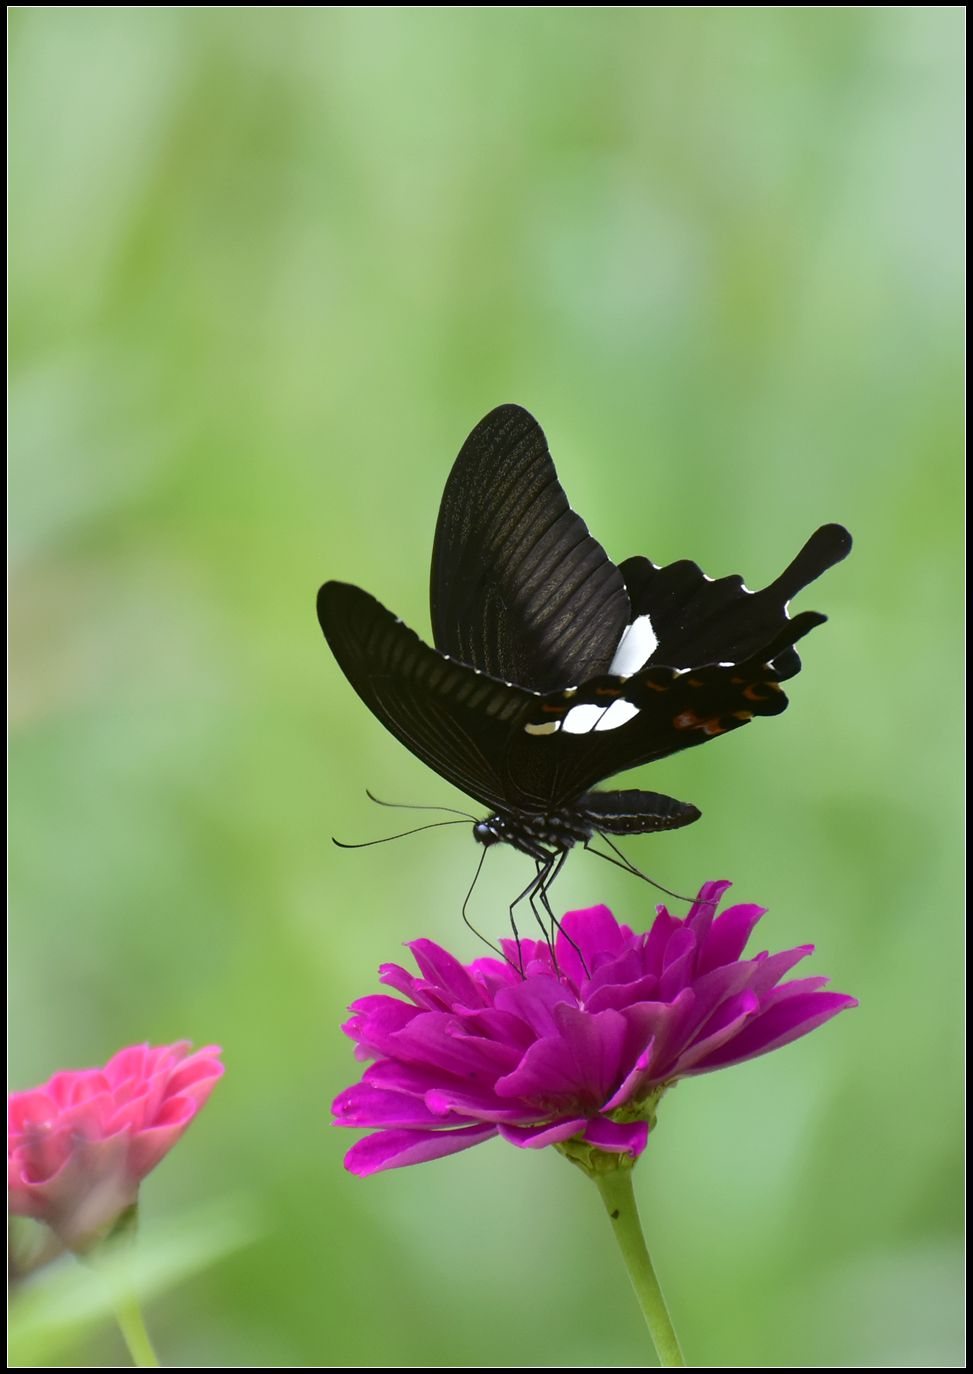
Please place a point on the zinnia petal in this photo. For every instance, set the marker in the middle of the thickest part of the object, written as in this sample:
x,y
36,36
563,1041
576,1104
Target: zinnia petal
x,y
778,1026
618,1137
536,1137
542,1050
396,1149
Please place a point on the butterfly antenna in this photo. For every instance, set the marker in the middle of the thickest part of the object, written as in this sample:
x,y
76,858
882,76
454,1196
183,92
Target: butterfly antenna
x,y
410,806
628,867
433,825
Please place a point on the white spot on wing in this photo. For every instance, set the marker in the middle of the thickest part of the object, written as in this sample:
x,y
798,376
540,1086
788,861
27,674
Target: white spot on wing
x,y
620,712
581,719
636,646
546,727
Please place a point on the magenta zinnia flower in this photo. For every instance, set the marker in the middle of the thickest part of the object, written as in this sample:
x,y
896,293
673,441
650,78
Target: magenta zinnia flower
x,y
578,1049
79,1145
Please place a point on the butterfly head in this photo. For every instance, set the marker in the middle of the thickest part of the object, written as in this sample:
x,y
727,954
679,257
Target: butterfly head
x,y
488,832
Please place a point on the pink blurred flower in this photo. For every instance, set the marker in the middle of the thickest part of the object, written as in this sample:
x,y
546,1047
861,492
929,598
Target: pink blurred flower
x,y
79,1145
575,1053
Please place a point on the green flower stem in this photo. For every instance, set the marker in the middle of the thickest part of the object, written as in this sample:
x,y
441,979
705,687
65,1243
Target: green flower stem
x,y
128,1314
618,1196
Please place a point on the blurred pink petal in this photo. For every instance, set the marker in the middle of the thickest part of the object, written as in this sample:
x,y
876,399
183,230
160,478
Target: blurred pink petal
x,y
79,1145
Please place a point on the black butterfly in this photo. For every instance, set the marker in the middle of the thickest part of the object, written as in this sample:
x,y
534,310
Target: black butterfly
x,y
553,669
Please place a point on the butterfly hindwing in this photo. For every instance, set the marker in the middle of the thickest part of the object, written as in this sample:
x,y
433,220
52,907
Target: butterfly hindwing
x,y
517,750
573,741
697,620
519,588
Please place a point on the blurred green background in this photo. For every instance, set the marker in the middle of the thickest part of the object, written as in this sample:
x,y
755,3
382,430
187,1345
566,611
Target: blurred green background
x,y
267,270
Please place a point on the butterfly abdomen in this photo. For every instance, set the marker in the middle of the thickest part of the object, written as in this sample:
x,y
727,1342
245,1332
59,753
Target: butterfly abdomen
x,y
633,812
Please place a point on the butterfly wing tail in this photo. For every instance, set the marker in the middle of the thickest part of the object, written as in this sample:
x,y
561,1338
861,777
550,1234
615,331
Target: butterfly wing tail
x,y
697,620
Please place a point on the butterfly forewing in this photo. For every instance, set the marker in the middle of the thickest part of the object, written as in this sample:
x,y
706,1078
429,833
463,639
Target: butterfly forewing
x,y
519,588
454,719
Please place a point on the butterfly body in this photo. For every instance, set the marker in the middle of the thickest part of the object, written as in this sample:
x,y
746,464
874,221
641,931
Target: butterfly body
x,y
552,669
545,834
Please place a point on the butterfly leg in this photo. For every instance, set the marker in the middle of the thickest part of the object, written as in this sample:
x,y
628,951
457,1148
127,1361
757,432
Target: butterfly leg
x,y
546,873
536,891
527,895
538,895
547,881
624,863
